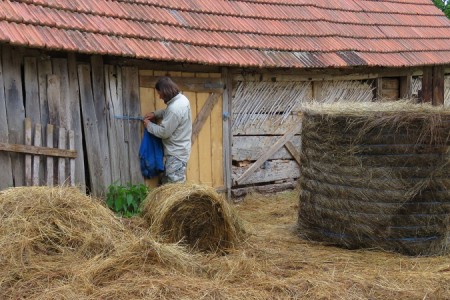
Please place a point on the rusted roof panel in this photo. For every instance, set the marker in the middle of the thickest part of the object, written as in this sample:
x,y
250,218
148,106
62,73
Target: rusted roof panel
x,y
247,33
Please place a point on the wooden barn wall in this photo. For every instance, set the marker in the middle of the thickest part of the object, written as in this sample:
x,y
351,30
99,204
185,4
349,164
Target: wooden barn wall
x,y
205,165
250,141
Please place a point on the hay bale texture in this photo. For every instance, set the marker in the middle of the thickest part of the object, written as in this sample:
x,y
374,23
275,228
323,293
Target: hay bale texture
x,y
58,242
376,175
194,214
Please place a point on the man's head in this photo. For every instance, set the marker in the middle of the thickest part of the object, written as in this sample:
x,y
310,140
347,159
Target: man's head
x,y
166,88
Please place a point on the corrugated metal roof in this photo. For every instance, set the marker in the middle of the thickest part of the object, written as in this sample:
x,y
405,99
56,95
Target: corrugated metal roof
x,y
247,33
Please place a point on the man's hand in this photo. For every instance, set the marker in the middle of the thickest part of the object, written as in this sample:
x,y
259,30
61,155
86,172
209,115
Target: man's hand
x,y
146,121
150,116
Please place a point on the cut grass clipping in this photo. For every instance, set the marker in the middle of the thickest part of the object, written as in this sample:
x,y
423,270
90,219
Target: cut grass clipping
x,y
194,214
376,175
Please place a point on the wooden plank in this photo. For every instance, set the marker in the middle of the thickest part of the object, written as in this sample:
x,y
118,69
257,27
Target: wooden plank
x,y
293,150
72,161
98,89
44,69
46,151
268,127
37,158
193,167
118,147
204,114
76,124
12,77
32,105
379,89
124,130
226,127
251,148
302,76
427,84
6,179
286,137
390,83
61,160
405,87
28,166
204,141
53,98
263,189
438,85
93,149
192,84
49,173
130,85
274,170
60,69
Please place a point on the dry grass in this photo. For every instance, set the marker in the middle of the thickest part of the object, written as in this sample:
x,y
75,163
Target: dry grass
x,y
273,263
193,214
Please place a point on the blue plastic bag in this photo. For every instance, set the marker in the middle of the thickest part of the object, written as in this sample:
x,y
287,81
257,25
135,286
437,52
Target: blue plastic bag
x,y
151,155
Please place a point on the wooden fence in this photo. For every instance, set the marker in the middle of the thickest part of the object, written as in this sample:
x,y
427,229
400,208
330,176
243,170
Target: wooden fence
x,y
50,165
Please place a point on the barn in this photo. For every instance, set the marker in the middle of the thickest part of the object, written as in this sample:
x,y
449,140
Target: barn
x,y
68,68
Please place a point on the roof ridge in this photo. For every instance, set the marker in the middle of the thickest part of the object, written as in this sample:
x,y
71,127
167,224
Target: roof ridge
x,y
288,3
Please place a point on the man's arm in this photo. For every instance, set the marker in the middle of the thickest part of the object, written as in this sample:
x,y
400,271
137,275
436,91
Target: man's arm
x,y
166,128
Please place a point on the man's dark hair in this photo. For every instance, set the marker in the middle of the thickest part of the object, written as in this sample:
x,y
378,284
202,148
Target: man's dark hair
x,y
167,88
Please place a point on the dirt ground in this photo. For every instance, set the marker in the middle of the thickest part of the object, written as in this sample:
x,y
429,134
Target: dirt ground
x,y
275,264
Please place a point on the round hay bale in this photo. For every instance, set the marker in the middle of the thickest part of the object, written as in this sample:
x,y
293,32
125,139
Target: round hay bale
x,y
376,175
194,214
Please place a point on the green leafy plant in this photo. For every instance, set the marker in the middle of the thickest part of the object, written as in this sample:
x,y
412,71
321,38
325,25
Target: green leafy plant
x,y
443,5
126,200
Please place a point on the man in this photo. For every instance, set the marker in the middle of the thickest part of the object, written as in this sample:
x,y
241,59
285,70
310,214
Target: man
x,y
175,129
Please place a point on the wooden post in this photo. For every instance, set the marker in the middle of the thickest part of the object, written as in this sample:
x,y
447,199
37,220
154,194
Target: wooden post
x,y
379,89
6,179
49,158
427,85
405,87
227,134
61,160
438,85
37,158
28,168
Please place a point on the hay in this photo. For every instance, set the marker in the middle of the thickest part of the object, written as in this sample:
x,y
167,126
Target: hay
x,y
194,214
52,239
376,175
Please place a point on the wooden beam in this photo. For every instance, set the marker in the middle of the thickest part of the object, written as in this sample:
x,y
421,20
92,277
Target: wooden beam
x,y
291,148
280,143
427,84
203,115
28,149
227,133
405,87
194,84
438,85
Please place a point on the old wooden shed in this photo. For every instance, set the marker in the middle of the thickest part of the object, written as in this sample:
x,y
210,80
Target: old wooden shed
x,y
68,67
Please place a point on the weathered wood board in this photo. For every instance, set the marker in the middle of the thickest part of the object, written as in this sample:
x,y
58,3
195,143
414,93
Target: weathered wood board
x,y
271,170
6,179
268,127
252,147
12,77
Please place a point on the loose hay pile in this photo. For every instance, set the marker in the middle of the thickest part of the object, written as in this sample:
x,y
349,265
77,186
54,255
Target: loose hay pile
x,y
194,214
376,175
60,242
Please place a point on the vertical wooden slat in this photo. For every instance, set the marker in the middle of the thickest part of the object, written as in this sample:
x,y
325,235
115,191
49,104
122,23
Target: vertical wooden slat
x,y
98,88
193,166
95,163
49,171
405,87
6,179
227,134
53,97
379,89
59,66
32,106
72,161
37,158
438,85
427,84
216,145
28,167
44,69
12,77
61,160
132,107
76,124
